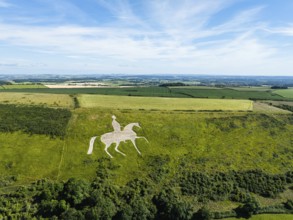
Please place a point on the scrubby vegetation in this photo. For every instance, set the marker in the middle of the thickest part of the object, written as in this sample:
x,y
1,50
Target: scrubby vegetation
x,y
34,120
142,199
286,107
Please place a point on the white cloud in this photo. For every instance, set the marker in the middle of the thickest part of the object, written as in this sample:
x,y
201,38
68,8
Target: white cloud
x,y
170,37
286,31
4,4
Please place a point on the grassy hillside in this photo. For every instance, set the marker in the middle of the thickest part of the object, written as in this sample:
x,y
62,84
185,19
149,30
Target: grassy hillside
x,y
186,152
211,141
208,141
116,102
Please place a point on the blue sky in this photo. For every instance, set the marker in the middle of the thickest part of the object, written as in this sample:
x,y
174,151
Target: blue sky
x,y
232,37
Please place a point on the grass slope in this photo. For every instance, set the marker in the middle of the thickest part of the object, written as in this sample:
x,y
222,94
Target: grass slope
x,y
116,102
208,141
29,157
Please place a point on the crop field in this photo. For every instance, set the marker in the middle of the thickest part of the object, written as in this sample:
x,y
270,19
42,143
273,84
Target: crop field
x,y
23,86
227,93
128,91
155,103
288,93
52,100
252,88
179,92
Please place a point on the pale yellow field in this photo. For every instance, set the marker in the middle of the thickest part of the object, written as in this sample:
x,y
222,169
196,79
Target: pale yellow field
x,y
156,103
23,86
51,100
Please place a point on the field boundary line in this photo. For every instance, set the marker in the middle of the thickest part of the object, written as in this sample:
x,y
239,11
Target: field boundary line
x,y
61,160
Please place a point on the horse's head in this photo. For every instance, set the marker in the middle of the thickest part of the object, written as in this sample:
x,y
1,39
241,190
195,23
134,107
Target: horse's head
x,y
137,125
130,126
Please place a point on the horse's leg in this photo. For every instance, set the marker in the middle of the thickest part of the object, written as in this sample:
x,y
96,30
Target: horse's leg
x,y
143,138
133,141
106,149
116,148
92,141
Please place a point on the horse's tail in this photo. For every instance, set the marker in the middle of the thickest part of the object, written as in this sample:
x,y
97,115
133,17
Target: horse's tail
x,y
91,146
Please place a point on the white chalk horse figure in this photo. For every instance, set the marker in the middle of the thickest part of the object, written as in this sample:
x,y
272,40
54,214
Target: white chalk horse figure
x,y
116,137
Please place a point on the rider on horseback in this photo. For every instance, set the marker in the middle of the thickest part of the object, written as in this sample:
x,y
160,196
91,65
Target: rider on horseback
x,y
115,124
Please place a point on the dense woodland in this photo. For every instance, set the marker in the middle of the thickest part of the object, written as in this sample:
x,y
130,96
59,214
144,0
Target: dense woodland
x,y
143,199
34,120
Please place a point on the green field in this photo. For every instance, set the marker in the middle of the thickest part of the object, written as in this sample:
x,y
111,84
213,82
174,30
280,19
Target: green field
x,y
267,217
51,100
154,103
288,93
227,93
179,92
252,88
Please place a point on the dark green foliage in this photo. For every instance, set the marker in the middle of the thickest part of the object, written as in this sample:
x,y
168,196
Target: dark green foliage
x,y
159,167
248,209
172,84
260,183
75,191
72,214
286,107
279,87
289,204
34,120
170,206
141,199
233,185
214,187
5,83
202,214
